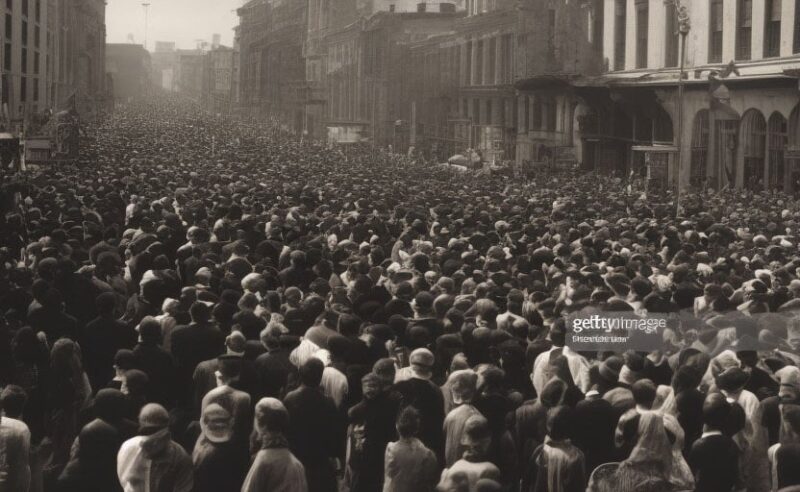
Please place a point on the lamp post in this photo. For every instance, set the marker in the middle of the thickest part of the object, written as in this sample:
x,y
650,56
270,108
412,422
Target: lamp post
x,y
146,6
684,25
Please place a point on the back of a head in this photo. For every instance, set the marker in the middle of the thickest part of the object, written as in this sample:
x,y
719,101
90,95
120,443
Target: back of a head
x,y
150,329
311,372
559,422
644,393
716,411
106,302
408,422
230,367
12,401
271,416
558,332
200,312
153,418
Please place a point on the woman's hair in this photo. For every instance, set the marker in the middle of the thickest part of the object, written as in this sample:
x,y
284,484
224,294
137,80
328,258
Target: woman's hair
x,y
408,422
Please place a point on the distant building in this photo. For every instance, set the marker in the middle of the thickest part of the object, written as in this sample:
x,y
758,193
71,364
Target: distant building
x,y
217,83
272,69
164,63
165,47
190,73
129,66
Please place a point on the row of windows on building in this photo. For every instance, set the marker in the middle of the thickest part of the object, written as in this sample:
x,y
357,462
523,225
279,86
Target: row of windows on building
x,y
535,113
744,31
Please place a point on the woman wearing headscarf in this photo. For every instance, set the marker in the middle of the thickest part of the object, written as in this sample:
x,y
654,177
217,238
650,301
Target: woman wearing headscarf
x,y
220,463
274,468
649,467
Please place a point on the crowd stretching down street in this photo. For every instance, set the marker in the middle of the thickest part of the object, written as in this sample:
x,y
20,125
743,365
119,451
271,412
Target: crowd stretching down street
x,y
213,305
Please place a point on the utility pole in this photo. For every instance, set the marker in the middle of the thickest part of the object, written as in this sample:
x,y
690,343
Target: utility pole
x,y
684,26
146,6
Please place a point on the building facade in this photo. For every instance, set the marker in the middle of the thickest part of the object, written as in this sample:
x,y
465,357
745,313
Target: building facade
x,y
738,122
52,51
271,64
191,64
359,86
79,42
218,79
130,69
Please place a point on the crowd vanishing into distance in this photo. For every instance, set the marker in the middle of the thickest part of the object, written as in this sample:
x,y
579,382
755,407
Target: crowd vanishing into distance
x,y
209,304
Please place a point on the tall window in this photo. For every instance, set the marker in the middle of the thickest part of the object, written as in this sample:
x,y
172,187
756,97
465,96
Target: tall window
x,y
744,28
672,36
772,28
796,44
468,67
479,62
598,26
715,32
642,17
620,17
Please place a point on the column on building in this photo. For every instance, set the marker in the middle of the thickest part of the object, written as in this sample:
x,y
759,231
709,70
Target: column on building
x,y
474,63
488,59
499,76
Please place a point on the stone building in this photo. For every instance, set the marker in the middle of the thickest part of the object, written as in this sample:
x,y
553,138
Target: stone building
x,y
79,42
740,124
357,74
52,50
272,68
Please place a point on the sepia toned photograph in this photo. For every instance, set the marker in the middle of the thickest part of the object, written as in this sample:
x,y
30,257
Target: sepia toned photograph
x,y
400,246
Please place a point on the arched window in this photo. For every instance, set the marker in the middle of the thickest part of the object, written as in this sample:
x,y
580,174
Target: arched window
x,y
700,137
776,144
754,142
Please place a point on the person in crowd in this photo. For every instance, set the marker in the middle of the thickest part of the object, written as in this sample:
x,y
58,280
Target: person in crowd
x,y
374,418
15,444
375,262
152,460
409,465
315,430
274,466
557,465
714,458
474,464
220,462
463,386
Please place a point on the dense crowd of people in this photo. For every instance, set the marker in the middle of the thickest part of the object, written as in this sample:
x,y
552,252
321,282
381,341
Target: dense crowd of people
x,y
209,304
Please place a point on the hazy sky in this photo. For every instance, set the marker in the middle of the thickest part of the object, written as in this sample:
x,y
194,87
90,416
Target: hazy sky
x,y
182,21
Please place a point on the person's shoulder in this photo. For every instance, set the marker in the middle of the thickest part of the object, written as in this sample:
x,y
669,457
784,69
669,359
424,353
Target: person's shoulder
x,y
130,444
16,426
179,455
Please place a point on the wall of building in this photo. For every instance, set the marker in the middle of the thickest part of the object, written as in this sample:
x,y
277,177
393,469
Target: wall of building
x,y
129,66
